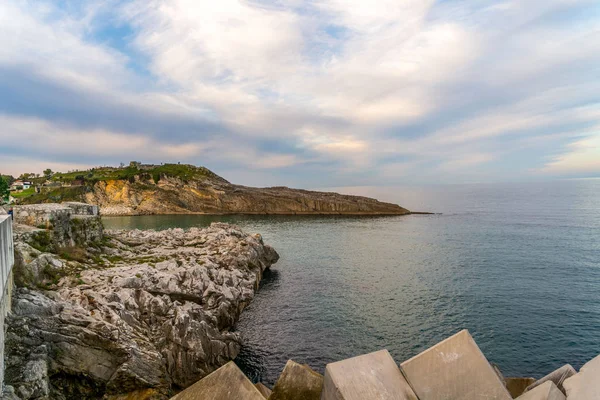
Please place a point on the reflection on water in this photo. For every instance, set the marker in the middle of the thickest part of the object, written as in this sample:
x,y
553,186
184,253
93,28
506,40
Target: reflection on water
x,y
518,265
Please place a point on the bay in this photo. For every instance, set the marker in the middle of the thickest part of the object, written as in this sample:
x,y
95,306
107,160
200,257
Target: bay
x,y
517,264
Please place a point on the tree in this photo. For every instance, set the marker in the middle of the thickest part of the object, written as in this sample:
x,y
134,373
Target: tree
x,y
8,178
4,193
25,176
48,173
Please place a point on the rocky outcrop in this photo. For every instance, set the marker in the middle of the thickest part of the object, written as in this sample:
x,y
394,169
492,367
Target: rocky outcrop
x,y
174,195
143,314
173,188
61,225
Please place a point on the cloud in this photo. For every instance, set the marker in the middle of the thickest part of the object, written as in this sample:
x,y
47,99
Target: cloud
x,y
326,93
581,159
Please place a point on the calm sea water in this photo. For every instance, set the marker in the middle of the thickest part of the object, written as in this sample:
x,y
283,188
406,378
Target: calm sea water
x,y
516,264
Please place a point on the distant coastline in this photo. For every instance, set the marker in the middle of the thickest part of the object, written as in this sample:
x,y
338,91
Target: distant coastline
x,y
167,189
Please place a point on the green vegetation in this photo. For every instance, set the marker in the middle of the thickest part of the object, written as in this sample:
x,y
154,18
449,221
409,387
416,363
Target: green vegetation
x,y
23,193
145,173
73,253
42,241
114,259
56,195
4,193
53,275
81,182
27,176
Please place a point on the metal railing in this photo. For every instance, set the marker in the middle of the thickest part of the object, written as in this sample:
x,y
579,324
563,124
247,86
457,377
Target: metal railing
x,y
7,252
7,260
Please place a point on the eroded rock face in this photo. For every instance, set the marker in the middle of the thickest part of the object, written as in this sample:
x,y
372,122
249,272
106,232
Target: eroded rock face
x,y
151,314
216,195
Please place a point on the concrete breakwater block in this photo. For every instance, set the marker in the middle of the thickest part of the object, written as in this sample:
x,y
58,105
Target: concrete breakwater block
x,y
546,391
373,376
557,376
516,386
297,382
585,385
455,368
265,391
226,383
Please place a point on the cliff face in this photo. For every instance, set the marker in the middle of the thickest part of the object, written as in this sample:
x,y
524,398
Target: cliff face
x,y
138,313
143,195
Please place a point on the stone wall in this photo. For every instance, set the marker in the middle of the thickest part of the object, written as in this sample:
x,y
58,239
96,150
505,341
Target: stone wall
x,y
71,224
44,216
81,208
86,229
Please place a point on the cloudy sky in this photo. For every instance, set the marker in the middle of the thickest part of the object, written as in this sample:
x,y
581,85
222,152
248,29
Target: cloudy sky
x,y
305,93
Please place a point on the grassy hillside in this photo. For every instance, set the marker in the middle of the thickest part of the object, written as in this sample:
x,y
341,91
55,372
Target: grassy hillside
x,y
183,171
88,178
56,195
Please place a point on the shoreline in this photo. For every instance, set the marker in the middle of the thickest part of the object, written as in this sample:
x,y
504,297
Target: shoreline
x,y
126,300
341,214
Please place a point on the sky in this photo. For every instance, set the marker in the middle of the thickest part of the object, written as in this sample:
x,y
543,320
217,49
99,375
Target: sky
x,y
305,93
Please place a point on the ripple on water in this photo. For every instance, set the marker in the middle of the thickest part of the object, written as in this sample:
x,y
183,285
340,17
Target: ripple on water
x,y
518,265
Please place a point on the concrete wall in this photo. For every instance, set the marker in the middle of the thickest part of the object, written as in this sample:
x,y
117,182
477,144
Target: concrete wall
x,y
7,259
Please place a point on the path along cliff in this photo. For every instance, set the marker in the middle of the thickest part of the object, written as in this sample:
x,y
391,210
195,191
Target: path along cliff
x,y
174,188
126,313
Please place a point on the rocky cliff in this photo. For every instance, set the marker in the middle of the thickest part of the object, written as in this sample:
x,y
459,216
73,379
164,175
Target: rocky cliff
x,y
138,313
188,189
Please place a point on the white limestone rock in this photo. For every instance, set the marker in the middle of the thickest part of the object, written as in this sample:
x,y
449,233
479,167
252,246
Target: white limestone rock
x,y
154,311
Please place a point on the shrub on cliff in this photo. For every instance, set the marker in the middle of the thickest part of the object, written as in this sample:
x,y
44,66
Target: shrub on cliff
x,y
4,193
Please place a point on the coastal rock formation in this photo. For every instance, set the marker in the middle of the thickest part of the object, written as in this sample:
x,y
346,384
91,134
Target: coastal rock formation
x,y
141,313
170,189
173,195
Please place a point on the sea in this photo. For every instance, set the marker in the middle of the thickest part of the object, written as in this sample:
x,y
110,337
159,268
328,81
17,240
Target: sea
x,y
517,264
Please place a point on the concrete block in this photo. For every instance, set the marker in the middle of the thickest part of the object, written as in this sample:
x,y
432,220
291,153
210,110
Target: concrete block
x,y
373,376
546,391
517,386
498,373
454,369
265,391
297,382
226,383
557,376
584,385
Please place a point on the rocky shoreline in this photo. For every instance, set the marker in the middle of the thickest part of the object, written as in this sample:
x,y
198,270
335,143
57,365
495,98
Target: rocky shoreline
x,y
129,313
187,189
